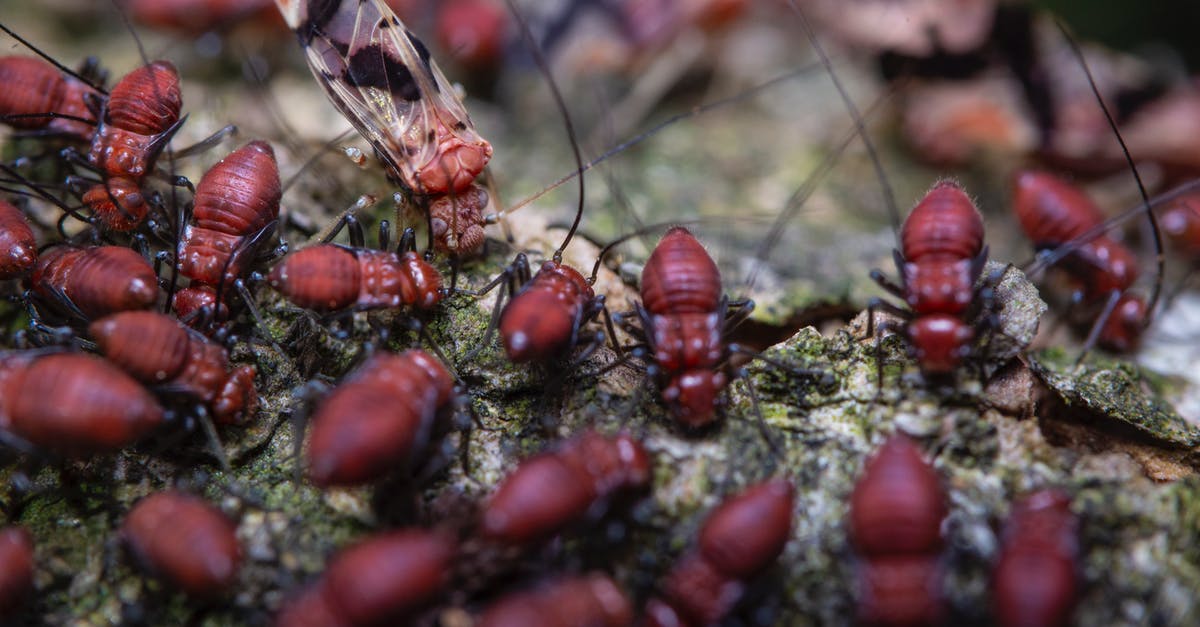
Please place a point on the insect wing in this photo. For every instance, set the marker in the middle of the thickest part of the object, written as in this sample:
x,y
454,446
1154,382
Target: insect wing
x,y
383,80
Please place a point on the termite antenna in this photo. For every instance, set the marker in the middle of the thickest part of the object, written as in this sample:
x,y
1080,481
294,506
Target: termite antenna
x,y
52,61
889,197
540,59
129,27
1160,260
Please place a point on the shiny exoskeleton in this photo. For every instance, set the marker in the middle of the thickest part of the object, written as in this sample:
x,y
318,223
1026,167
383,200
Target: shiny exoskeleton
x,y
330,277
940,260
16,570
235,208
896,513
542,320
1035,581
1181,222
160,351
380,419
474,31
94,282
384,579
594,600
683,315
18,246
550,491
185,540
742,537
38,97
141,114
73,405
1054,213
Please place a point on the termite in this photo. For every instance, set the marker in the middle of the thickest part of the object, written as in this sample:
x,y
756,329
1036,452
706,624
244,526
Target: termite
x,y
73,404
16,570
593,599
1035,580
741,538
384,579
141,115
18,246
185,540
196,17
235,210
160,351
381,417
552,490
383,80
39,97
896,513
93,282
474,32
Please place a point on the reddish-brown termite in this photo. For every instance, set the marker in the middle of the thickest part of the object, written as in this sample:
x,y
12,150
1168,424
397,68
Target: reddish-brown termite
x,y
184,540
18,246
73,405
741,538
160,351
552,490
39,97
895,520
384,579
1035,580
89,283
594,600
381,418
16,571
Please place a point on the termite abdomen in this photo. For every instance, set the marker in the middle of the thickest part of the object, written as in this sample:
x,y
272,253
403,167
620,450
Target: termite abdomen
x,y
379,419
158,350
95,281
184,540
940,239
33,88
18,246
1035,580
74,404
235,199
146,101
542,319
548,492
899,590
593,600
16,570
328,277
679,276
898,503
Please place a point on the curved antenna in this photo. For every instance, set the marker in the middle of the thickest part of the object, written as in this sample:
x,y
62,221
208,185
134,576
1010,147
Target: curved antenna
x,y
889,197
796,201
649,228
562,108
52,61
129,27
656,129
1161,261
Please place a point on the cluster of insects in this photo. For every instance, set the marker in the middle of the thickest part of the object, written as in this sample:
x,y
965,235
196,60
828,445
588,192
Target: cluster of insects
x,y
145,310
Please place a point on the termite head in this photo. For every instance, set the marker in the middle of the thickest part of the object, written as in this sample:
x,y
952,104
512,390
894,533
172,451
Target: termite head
x,y
692,396
455,164
238,400
1123,329
939,342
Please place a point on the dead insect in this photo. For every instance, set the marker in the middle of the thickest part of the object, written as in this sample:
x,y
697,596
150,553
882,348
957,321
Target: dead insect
x,y
896,513
940,260
184,540
16,570
73,404
383,416
1036,578
593,599
18,247
235,210
39,97
160,351
384,579
93,282
383,80
549,491
739,540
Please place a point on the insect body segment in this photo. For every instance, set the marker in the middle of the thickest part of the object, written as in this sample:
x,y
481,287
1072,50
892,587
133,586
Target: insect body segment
x,y
542,320
37,96
184,540
593,599
329,277
18,247
16,570
1036,578
94,282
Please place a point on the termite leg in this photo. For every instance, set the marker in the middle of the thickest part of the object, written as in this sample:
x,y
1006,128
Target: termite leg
x,y
887,283
207,143
770,439
1109,305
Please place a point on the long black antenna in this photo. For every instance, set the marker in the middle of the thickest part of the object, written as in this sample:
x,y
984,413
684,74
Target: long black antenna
x,y
52,61
1161,260
889,197
566,116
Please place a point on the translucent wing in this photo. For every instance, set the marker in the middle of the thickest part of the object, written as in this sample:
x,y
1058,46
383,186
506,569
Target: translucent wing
x,y
382,79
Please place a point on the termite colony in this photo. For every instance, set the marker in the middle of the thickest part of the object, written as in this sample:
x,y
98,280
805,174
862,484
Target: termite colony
x,y
221,403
